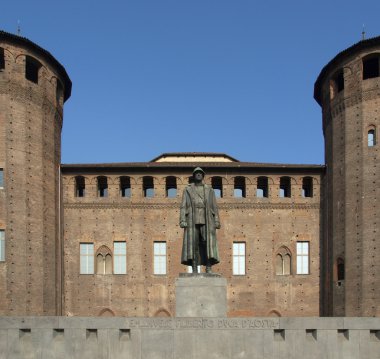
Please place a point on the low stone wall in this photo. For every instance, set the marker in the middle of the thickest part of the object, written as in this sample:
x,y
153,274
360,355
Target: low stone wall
x,y
189,338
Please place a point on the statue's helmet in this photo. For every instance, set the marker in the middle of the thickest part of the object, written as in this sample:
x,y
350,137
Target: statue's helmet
x,y
198,169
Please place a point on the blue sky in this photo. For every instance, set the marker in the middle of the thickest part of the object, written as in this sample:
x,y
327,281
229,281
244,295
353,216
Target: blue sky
x,y
154,76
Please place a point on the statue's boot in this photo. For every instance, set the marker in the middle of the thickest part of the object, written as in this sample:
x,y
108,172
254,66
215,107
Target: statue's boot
x,y
208,269
195,268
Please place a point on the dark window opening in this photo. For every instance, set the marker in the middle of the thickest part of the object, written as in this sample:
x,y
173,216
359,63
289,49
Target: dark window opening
x,y
307,187
285,187
239,187
340,269
336,84
125,186
32,67
80,186
102,186
171,187
2,59
370,67
262,187
217,185
148,187
371,138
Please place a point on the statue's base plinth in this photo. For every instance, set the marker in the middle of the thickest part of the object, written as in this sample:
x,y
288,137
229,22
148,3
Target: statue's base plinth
x,y
201,295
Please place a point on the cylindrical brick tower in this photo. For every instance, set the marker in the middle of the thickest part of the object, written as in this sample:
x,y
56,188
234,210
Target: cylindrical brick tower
x,y
348,90
33,89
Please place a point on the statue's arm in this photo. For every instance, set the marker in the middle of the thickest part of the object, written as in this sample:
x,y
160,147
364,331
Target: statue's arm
x,y
183,211
215,209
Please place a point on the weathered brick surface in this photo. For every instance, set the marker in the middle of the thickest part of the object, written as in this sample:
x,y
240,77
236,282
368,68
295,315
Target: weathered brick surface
x,y
31,121
265,224
351,211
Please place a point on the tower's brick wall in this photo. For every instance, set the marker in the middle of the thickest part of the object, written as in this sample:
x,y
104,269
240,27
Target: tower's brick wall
x,y
351,209
30,142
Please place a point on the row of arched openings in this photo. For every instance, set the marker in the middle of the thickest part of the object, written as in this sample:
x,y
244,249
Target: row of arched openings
x,y
32,69
148,187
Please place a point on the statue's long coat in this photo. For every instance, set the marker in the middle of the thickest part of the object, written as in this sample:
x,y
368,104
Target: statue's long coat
x,y
187,215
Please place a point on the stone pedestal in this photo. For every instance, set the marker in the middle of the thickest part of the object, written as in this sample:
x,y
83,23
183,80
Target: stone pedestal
x,y
201,295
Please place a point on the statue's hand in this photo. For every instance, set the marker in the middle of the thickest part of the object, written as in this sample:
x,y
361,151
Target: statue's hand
x,y
217,225
183,224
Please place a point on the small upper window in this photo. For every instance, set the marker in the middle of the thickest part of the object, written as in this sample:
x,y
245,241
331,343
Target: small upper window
x,y
371,137
32,68
102,186
370,67
148,186
285,187
262,187
80,186
2,59
307,187
239,187
171,187
336,84
125,186
217,185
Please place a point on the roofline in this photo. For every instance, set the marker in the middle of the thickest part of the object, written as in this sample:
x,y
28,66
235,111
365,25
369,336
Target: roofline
x,y
358,47
23,41
211,166
193,154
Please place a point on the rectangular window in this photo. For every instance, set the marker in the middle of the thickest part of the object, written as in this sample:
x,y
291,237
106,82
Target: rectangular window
x,y
159,265
119,258
1,178
302,257
87,258
2,245
238,254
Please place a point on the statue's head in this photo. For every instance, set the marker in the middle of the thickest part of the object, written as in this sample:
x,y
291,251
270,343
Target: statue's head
x,y
198,174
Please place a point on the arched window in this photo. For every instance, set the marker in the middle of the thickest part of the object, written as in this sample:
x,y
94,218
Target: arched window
x,y
102,186
307,187
217,185
371,138
239,187
148,186
285,187
32,68
104,261
336,84
371,66
125,186
171,187
80,186
283,261
262,187
2,59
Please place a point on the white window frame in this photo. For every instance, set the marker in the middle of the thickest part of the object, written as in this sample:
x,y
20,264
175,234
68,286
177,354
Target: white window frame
x,y
238,258
87,258
2,245
303,254
119,257
159,258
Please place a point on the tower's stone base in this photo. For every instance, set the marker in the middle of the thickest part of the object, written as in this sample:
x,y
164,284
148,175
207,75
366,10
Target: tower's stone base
x,y
201,295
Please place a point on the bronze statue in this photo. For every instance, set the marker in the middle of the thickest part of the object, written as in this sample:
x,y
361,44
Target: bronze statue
x,y
200,218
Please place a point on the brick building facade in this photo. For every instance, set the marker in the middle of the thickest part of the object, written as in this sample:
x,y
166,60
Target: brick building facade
x,y
104,239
